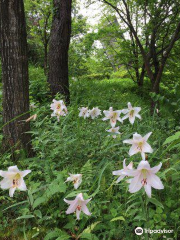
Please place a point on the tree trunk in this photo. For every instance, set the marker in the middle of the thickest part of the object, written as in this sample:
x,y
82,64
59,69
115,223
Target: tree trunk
x,y
14,75
58,48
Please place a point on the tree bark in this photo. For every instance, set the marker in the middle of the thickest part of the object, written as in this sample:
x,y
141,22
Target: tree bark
x,y
58,48
14,75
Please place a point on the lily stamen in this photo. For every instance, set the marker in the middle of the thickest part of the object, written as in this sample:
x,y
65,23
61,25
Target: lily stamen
x,y
144,181
78,208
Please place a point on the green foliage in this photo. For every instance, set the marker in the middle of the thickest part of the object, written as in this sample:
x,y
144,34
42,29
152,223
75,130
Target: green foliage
x,y
39,18
121,73
96,76
39,90
82,146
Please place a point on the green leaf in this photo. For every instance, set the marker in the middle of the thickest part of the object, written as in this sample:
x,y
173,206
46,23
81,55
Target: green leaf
x,y
16,204
55,187
99,181
25,217
63,237
57,234
132,206
90,228
35,235
38,213
117,219
39,201
89,236
172,138
51,235
31,199
140,218
155,202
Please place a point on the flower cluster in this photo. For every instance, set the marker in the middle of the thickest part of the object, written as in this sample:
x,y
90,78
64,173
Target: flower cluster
x,y
142,177
59,109
113,116
78,204
86,113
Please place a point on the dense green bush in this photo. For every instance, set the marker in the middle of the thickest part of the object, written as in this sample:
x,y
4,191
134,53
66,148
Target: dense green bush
x,y
121,73
96,76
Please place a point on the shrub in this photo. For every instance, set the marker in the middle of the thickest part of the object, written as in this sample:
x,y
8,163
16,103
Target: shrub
x,y
96,76
39,90
121,73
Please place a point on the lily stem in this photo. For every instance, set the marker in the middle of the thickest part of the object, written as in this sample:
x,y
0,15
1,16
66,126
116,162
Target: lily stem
x,y
145,211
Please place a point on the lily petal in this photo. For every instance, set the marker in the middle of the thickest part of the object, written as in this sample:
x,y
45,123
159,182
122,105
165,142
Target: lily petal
x,y
22,186
138,116
129,105
118,172
11,191
155,181
72,207
128,141
25,172
147,188
85,210
147,148
156,168
120,178
6,183
78,212
132,119
147,136
137,109
13,169
137,137
133,150
135,185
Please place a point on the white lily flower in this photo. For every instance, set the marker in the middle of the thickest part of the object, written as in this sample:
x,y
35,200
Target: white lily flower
x,y
59,109
59,106
144,176
13,179
58,113
32,106
113,116
122,173
114,131
131,113
95,112
139,144
77,205
84,112
76,179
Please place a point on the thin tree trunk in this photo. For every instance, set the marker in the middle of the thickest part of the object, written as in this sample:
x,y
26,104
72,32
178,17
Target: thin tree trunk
x,y
154,104
14,75
58,48
141,78
45,58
